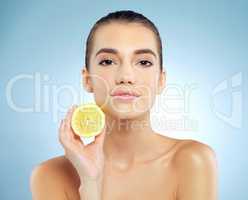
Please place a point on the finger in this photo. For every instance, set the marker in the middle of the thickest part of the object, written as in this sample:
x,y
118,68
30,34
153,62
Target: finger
x,y
62,135
65,139
60,129
60,125
68,117
68,123
76,137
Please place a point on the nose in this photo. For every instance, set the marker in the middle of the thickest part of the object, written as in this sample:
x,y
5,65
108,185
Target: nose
x,y
125,75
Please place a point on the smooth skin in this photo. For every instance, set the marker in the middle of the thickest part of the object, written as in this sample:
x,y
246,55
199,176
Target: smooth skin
x,y
133,161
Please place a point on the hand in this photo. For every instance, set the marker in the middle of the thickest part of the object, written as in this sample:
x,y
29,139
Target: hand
x,y
88,160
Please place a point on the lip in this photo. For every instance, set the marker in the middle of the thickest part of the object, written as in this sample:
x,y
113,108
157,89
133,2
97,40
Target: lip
x,y
125,95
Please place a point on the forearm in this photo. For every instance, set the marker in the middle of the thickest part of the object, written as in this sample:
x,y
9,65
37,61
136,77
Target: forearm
x,y
91,189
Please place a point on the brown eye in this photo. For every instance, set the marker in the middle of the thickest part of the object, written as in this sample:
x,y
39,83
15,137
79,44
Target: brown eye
x,y
106,62
145,63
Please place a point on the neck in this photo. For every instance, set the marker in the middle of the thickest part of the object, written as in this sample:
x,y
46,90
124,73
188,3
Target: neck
x,y
127,138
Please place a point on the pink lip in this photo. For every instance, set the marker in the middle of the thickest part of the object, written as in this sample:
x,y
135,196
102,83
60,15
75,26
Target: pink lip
x,y
125,95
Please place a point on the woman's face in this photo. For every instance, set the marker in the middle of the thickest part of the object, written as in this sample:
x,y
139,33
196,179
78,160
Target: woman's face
x,y
124,59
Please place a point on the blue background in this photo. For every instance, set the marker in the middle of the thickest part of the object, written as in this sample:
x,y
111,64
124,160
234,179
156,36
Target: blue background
x,y
205,44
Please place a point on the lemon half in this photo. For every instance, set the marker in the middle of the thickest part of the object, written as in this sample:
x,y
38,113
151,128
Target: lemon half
x,y
88,120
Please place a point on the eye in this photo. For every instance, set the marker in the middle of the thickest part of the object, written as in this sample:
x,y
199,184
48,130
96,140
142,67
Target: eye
x,y
146,63
106,62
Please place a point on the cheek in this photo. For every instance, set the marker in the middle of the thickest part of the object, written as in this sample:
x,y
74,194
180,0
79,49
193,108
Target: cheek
x,y
101,87
149,82
104,81
147,85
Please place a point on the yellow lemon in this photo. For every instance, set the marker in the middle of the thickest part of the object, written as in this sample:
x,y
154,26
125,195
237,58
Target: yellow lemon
x,y
88,120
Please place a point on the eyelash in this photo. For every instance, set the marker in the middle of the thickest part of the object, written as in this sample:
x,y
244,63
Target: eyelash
x,y
150,63
103,61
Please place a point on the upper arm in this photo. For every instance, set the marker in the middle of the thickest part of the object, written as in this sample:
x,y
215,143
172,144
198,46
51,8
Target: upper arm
x,y
45,184
197,172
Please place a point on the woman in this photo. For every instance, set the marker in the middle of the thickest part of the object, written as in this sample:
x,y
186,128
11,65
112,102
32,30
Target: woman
x,y
128,160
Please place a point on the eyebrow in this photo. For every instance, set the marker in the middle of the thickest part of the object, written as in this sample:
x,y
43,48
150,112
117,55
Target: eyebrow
x,y
114,51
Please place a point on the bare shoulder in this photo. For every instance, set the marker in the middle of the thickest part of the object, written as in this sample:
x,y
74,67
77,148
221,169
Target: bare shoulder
x,y
59,167
55,176
194,153
196,167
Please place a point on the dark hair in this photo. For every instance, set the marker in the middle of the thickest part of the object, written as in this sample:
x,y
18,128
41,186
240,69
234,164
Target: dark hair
x,y
123,16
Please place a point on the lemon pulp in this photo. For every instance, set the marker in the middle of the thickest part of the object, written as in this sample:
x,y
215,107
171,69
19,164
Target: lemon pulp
x,y
88,120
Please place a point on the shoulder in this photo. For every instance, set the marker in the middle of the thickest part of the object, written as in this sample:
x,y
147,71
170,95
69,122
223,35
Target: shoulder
x,y
194,154
55,175
196,167
59,167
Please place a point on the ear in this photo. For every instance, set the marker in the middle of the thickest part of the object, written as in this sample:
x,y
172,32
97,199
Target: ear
x,y
161,82
86,79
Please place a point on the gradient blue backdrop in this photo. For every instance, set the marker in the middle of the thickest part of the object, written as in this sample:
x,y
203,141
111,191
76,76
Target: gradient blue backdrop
x,y
205,44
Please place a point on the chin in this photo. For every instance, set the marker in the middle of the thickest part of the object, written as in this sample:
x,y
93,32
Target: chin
x,y
126,114
124,110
